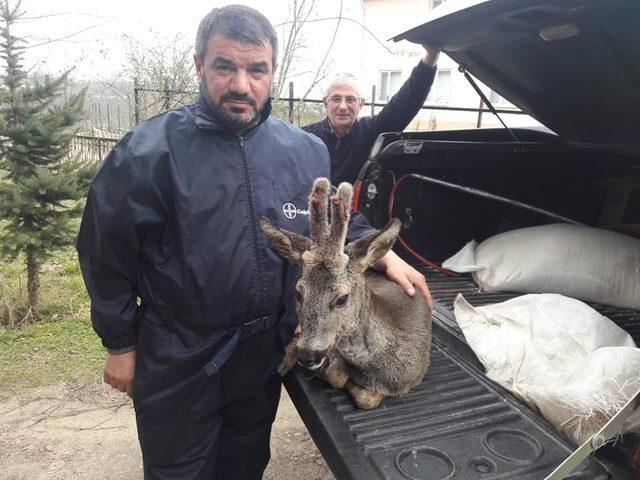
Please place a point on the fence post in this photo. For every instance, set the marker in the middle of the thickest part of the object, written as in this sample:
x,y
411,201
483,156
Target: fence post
x,y
479,122
167,97
136,101
290,102
373,100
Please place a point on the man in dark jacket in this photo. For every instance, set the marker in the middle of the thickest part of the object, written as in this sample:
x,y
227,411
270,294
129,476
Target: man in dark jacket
x,y
349,138
191,302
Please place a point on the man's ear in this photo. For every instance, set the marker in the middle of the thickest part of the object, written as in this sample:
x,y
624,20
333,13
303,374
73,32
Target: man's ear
x,y
288,244
366,251
325,102
198,64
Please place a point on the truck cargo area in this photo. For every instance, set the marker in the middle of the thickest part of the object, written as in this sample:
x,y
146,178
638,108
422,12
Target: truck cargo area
x,y
457,424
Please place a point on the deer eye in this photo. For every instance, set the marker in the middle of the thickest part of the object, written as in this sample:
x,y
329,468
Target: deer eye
x,y
298,296
342,301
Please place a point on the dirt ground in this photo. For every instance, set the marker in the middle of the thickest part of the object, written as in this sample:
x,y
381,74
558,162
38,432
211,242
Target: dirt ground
x,y
87,432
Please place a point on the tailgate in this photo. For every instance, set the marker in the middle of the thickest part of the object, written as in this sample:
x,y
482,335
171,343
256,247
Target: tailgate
x,y
455,425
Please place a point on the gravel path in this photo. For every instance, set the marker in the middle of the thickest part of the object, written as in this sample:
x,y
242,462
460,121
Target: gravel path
x,y
81,432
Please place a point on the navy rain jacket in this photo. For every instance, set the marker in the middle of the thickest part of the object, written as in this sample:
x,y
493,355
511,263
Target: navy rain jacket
x,y
172,219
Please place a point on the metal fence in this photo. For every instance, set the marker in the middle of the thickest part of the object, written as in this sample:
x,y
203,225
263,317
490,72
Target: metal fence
x,y
148,102
91,149
297,110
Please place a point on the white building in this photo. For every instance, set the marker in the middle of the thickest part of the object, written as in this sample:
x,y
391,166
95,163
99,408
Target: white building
x,y
386,65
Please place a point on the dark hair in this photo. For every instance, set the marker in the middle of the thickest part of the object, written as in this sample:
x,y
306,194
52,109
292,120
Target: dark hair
x,y
237,22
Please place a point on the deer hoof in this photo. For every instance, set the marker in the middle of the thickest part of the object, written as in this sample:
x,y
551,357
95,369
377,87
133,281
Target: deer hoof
x,y
365,399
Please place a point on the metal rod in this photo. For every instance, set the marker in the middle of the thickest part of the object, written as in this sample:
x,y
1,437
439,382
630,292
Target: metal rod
x,y
482,193
487,102
291,102
373,100
479,122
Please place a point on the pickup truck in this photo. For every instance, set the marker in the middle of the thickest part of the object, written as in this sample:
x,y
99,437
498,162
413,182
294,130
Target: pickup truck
x,y
574,65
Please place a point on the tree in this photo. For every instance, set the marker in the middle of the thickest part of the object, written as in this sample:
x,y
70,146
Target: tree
x,y
40,184
164,71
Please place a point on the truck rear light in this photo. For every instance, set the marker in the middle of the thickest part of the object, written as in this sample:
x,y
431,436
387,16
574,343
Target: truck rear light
x,y
357,188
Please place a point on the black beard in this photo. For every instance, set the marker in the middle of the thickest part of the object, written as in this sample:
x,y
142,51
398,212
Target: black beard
x,y
235,123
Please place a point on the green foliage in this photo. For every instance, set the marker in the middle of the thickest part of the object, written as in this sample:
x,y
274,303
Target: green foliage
x,y
41,185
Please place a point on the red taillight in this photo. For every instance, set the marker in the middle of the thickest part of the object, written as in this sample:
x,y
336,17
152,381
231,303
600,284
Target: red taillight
x,y
356,195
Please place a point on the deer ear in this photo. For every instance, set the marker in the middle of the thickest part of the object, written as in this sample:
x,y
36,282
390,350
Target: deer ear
x,y
288,244
366,251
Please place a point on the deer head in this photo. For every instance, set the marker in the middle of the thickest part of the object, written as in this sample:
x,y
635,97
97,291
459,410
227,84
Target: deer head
x,y
331,290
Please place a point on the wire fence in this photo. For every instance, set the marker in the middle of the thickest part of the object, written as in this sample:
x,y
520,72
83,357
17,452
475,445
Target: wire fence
x,y
148,102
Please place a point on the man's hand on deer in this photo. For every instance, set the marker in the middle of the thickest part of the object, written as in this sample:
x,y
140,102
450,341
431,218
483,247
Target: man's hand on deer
x,y
405,275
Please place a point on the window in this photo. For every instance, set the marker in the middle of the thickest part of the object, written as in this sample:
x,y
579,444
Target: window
x,y
389,84
436,3
441,88
496,99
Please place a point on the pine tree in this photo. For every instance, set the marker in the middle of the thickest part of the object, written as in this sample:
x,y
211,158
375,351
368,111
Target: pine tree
x,y
40,184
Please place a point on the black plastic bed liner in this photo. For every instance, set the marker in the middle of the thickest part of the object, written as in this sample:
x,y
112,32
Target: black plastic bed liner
x,y
455,425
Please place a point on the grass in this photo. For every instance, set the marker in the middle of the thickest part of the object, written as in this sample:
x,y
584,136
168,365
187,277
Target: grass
x,y
62,346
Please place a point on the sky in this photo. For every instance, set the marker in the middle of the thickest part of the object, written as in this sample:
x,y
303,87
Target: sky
x,y
90,34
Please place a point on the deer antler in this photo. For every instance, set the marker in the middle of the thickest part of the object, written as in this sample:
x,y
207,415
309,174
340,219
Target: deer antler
x,y
318,212
340,213
329,238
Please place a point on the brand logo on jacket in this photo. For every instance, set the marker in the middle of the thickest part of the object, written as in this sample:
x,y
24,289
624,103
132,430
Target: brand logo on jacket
x,y
291,211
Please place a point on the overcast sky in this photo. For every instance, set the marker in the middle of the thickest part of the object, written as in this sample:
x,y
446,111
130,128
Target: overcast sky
x,y
94,30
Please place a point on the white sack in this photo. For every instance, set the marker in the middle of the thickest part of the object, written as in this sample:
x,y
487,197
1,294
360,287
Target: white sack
x,y
559,356
587,263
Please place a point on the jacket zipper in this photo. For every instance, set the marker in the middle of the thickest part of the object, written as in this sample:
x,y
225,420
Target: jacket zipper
x,y
254,228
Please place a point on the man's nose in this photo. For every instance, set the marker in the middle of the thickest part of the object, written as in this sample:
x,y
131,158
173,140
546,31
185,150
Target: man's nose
x,y
240,83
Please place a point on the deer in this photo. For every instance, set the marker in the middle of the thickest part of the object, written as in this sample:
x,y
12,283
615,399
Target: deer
x,y
357,329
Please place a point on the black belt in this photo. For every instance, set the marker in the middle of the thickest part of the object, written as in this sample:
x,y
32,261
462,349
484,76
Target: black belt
x,y
246,330
258,325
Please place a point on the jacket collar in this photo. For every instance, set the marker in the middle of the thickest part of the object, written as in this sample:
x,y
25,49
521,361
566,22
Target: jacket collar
x,y
328,128
206,118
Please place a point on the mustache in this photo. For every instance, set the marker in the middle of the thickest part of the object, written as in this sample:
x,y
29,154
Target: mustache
x,y
237,97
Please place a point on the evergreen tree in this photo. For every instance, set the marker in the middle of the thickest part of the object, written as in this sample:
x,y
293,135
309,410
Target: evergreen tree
x,y
40,184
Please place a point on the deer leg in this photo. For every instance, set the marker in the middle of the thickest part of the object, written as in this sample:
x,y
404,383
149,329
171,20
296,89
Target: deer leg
x,y
365,399
290,354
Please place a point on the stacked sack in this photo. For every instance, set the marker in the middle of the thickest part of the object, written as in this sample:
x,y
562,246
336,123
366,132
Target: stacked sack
x,y
581,262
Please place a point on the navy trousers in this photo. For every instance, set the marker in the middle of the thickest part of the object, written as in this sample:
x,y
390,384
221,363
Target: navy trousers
x,y
205,423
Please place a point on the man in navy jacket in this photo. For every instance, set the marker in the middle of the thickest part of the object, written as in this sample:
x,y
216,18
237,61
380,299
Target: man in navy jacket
x,y
349,138
191,302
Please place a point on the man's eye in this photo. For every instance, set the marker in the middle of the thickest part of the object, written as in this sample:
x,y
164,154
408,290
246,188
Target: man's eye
x,y
351,100
342,301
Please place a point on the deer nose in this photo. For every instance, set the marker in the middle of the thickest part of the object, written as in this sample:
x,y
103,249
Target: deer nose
x,y
313,359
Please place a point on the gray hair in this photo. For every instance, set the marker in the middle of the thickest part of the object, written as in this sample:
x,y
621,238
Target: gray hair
x,y
237,22
344,78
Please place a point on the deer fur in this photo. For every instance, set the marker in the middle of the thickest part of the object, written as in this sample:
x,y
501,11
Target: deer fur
x,y
357,329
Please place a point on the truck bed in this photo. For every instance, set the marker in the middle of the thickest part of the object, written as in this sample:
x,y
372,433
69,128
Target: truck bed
x,y
456,424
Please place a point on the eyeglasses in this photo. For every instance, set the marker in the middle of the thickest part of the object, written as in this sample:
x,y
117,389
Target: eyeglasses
x,y
337,100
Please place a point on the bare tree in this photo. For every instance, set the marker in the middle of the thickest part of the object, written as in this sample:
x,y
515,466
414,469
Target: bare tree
x,y
165,70
294,43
